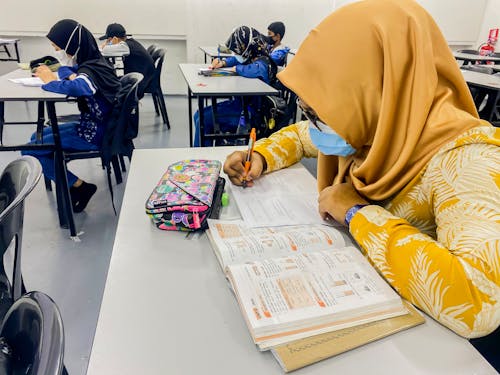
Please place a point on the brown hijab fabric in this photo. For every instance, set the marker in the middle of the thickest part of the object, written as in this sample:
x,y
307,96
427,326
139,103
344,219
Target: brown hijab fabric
x,y
380,73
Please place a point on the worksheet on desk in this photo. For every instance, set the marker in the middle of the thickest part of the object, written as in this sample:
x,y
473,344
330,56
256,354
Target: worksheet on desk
x,y
285,197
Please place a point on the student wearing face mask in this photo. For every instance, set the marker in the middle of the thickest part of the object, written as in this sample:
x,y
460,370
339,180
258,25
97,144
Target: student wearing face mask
x,y
404,162
277,51
88,77
137,60
251,61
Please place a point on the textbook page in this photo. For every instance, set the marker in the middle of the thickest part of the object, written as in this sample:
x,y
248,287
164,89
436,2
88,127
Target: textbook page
x,y
288,298
31,81
275,201
234,242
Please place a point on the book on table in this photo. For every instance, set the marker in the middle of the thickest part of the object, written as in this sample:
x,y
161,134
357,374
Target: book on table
x,y
298,281
219,72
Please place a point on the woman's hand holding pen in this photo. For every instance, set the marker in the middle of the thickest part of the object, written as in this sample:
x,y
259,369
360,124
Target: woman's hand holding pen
x,y
45,74
234,167
217,63
335,200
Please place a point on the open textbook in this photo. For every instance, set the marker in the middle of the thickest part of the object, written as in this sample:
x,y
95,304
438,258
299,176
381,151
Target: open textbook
x,y
299,282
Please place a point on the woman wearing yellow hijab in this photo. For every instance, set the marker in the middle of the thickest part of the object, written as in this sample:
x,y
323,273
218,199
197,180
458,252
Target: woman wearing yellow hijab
x,y
403,158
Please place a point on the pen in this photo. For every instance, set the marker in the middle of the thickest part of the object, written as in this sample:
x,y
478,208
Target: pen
x,y
248,161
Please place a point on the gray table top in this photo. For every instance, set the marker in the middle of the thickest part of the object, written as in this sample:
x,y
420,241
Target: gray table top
x,y
489,81
167,307
471,56
4,41
212,51
223,86
10,91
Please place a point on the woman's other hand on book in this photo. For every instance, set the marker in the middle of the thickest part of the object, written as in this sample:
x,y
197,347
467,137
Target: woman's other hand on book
x,y
45,74
217,63
335,200
234,167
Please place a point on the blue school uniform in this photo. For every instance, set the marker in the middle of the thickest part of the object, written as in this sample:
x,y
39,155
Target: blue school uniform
x,y
85,135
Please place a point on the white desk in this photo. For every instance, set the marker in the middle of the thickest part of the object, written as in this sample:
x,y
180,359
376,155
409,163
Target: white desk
x,y
212,87
10,91
212,52
470,57
486,84
12,42
167,308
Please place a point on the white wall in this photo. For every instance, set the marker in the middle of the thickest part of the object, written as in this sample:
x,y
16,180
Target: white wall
x,y
491,20
209,22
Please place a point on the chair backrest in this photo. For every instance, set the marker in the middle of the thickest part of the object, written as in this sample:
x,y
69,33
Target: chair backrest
x,y
151,49
158,58
17,180
33,331
123,124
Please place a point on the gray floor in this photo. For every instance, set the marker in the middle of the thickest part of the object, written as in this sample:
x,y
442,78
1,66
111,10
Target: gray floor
x,y
74,273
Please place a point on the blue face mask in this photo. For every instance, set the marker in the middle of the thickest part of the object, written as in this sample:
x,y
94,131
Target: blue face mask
x,y
328,142
240,59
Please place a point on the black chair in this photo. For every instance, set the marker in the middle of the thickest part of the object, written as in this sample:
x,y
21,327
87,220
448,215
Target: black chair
x,y
151,49
16,182
121,129
154,87
32,337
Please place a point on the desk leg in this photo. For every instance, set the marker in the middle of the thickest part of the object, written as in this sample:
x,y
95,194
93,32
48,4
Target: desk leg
x,y
17,52
2,120
40,121
190,110
64,208
201,116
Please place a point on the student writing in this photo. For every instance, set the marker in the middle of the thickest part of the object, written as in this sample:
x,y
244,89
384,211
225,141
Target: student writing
x,y
137,59
88,77
251,61
403,159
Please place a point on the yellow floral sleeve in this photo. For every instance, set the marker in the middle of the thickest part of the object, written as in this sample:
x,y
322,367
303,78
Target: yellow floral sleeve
x,y
438,241
287,146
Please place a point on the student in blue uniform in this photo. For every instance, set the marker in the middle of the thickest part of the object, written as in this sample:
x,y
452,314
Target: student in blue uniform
x,y
84,74
277,51
251,60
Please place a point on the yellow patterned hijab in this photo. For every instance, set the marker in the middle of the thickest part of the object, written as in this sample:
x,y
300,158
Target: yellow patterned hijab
x,y
380,73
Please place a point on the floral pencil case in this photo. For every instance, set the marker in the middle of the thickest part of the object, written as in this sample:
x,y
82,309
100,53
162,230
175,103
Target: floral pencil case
x,y
184,197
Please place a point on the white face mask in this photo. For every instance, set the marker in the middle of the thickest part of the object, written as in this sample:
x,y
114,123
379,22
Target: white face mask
x,y
62,56
240,59
64,59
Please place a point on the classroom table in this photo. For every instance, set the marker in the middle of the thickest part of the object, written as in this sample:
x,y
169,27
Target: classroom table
x,y
202,87
212,52
486,84
496,67
167,307
471,58
6,42
10,92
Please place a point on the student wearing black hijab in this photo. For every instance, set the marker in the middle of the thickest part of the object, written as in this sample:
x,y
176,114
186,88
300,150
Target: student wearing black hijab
x,y
251,60
86,75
